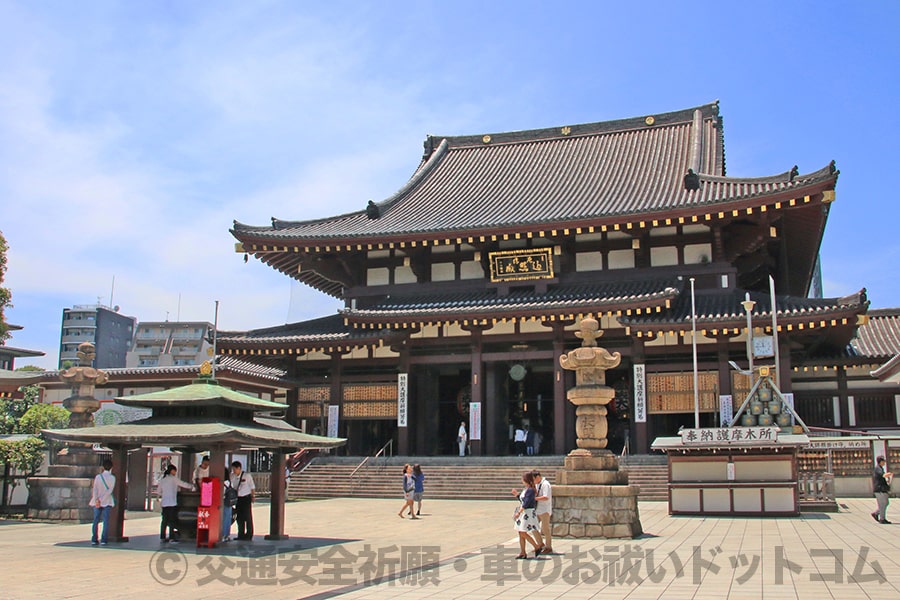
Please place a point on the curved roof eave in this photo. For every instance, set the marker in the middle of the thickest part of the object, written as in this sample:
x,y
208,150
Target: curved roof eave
x,y
748,192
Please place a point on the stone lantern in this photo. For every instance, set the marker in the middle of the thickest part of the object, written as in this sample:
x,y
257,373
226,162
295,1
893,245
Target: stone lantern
x,y
592,497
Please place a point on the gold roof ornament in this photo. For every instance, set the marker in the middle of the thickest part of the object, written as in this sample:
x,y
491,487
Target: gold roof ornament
x,y
206,369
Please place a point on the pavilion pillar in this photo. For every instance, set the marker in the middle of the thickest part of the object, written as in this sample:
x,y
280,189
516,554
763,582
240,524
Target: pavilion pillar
x,y
276,505
137,479
120,493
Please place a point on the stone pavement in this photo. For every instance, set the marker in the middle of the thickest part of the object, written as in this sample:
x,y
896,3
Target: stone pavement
x,y
465,549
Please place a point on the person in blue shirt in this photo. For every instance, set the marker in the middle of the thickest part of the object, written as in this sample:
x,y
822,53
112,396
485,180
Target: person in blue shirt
x,y
419,488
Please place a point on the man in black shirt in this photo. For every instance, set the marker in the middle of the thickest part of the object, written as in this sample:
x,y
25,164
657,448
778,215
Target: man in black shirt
x,y
881,485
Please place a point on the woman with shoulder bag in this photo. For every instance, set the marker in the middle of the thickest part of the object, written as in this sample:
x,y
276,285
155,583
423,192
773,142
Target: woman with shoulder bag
x,y
409,489
526,517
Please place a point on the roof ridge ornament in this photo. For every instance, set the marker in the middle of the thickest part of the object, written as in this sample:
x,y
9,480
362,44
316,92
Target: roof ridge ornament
x,y
691,181
372,210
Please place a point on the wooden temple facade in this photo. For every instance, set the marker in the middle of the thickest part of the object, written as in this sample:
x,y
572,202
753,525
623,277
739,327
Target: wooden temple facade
x,y
462,290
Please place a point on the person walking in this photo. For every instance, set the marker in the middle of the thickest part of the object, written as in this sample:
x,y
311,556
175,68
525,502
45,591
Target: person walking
x,y
167,488
102,502
419,488
462,438
544,509
246,494
881,486
409,488
525,518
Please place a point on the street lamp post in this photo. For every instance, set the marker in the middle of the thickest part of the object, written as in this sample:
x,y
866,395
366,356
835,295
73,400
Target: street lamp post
x,y
748,305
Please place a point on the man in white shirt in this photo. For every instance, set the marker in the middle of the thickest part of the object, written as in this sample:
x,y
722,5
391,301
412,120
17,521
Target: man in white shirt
x,y
519,441
102,502
544,497
201,471
246,492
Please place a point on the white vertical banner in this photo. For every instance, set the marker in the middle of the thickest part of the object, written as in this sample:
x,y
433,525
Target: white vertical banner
x,y
474,420
789,400
640,394
726,409
334,411
402,397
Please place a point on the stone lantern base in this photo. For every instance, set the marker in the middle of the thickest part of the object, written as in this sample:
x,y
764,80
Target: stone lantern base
x,y
592,498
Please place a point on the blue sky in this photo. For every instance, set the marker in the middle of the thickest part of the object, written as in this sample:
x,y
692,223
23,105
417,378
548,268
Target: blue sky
x,y
133,133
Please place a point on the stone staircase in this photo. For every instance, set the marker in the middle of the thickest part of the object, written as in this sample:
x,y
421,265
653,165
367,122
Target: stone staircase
x,y
650,473
469,478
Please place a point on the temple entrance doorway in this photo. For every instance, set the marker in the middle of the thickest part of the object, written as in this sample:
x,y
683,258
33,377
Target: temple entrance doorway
x,y
366,437
527,393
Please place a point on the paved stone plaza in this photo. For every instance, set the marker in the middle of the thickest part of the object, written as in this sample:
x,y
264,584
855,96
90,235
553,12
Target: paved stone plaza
x,y
465,549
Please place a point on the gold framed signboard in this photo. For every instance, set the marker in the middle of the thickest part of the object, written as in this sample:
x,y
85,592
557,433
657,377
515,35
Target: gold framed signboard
x,y
518,265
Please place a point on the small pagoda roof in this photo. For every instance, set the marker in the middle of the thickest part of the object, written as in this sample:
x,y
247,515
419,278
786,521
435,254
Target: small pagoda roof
x,y
556,177
20,378
19,352
197,432
205,393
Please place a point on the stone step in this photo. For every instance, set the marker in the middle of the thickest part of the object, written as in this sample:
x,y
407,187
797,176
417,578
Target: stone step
x,y
331,477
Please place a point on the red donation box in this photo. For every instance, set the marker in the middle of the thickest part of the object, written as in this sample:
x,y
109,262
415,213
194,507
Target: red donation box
x,y
209,513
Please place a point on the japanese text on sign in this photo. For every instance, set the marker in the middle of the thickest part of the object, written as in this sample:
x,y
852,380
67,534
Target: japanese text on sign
x,y
729,435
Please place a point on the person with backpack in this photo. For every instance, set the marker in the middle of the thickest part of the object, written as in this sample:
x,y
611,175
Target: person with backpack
x,y
102,502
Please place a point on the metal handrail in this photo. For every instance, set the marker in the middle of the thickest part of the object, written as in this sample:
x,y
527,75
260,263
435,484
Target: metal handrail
x,y
365,461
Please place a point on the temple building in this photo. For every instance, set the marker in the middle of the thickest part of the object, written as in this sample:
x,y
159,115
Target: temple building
x,y
461,291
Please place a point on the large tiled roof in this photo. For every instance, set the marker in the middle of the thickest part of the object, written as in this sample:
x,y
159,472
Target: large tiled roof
x,y
721,308
324,330
223,364
880,337
593,297
564,176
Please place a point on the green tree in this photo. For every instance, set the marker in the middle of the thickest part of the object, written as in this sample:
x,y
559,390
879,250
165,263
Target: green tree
x,y
24,456
43,416
5,294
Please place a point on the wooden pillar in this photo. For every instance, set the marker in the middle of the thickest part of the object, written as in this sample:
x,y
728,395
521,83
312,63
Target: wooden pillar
x,y
724,373
843,399
494,442
477,382
117,514
293,396
559,393
276,505
137,479
640,437
404,444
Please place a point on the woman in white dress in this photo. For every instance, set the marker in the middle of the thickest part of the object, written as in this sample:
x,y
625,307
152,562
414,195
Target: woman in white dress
x,y
526,517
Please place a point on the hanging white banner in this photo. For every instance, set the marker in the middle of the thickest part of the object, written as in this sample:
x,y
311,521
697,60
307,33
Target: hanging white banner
x,y
402,395
640,394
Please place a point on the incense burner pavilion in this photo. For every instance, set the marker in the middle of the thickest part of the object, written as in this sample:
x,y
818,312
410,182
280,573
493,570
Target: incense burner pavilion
x,y
461,291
